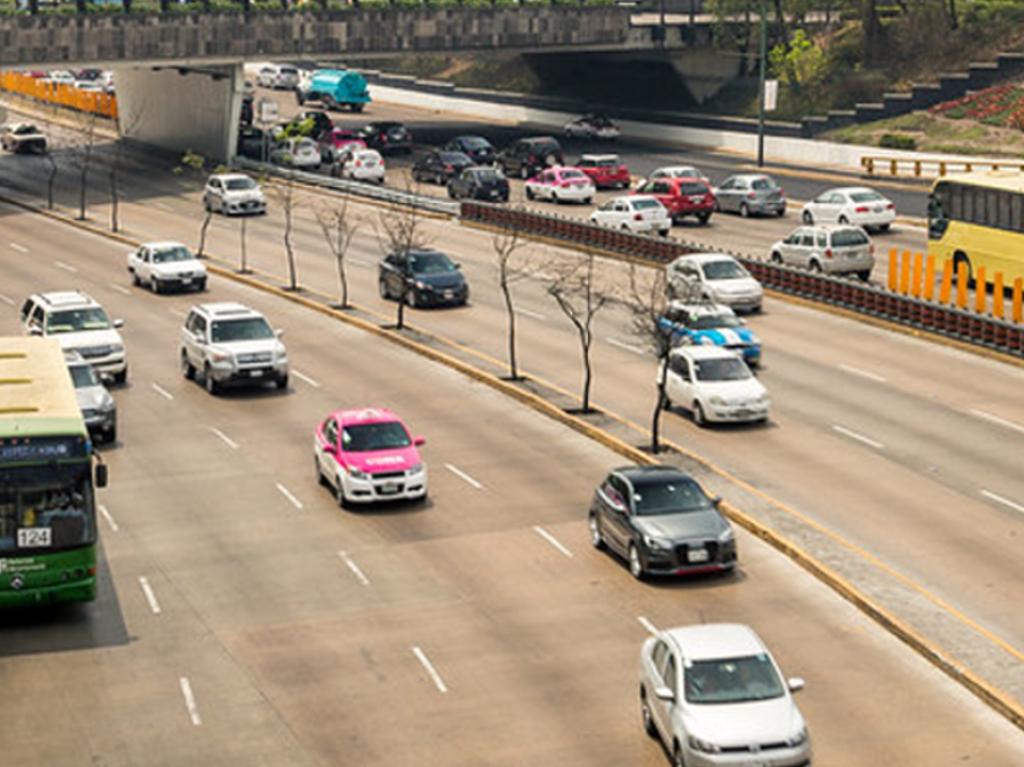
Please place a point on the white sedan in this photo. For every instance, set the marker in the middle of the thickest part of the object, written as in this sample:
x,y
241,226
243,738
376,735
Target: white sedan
x,y
715,385
165,265
856,205
637,213
233,193
359,164
297,153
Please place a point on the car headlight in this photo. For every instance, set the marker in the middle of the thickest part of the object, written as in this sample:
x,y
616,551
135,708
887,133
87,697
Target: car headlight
x,y
706,341
799,739
280,354
117,348
415,469
702,745
422,285
716,400
357,473
107,403
755,339
657,544
219,356
726,536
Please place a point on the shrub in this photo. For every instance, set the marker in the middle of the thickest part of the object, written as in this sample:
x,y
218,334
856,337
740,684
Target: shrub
x,y
897,141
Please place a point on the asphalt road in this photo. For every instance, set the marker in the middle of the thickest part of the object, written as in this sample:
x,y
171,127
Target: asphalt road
x,y
258,642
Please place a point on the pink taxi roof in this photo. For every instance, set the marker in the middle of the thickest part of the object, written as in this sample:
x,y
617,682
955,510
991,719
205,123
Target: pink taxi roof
x,y
365,415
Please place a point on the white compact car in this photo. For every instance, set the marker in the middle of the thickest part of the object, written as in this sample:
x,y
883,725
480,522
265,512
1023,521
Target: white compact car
x,y
360,165
99,411
715,385
677,171
715,276
297,153
80,325
715,697
231,193
163,266
224,344
638,213
278,76
856,205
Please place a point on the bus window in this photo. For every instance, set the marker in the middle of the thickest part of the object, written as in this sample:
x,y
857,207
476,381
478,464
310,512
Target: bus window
x,y
1003,219
1016,203
991,208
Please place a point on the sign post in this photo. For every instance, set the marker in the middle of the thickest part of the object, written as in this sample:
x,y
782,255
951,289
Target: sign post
x,y
267,113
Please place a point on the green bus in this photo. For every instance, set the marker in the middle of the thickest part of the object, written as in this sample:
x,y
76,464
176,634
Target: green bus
x,y
47,502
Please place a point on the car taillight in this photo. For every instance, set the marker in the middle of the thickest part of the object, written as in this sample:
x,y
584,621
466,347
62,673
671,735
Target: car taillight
x,y
782,192
891,206
861,209
566,184
871,249
828,253
359,163
751,195
637,217
448,168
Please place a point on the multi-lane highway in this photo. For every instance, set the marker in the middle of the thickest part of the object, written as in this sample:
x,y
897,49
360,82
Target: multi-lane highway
x,y
247,619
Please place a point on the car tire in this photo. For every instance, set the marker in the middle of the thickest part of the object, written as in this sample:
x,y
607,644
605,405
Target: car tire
x,y
844,220
135,279
596,537
589,201
882,228
865,275
815,267
677,757
187,371
206,204
699,418
780,212
339,495
122,377
666,403
282,383
777,257
154,285
703,218
110,436
807,217
744,210
529,194
383,289
636,565
320,479
209,383
645,715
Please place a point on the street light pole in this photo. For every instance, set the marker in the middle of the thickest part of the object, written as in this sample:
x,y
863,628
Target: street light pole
x,y
760,88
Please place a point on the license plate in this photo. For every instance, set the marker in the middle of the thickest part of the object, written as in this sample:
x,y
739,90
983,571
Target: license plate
x,y
186,280
389,487
878,209
697,555
696,198
255,373
494,193
34,537
449,294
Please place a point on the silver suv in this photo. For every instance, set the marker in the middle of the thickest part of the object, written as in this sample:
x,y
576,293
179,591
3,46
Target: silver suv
x,y
831,249
231,344
98,408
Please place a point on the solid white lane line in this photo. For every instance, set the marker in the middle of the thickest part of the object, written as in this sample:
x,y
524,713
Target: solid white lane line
x,y
863,373
150,596
552,540
306,378
998,420
651,629
287,494
859,437
225,438
6,299
120,289
626,346
425,661
19,248
1005,501
463,475
110,520
528,313
360,576
65,267
190,701
162,391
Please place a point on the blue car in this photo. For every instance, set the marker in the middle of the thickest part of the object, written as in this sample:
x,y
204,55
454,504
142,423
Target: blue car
x,y
711,324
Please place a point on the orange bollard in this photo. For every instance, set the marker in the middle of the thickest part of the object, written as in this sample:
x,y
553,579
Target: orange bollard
x,y
961,285
1018,300
947,282
997,296
905,273
915,280
929,278
893,267
980,287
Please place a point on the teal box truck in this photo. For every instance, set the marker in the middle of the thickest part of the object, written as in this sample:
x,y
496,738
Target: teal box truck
x,y
336,89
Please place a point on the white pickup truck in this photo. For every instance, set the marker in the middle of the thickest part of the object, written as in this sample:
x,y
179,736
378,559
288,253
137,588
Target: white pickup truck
x,y
166,265
22,138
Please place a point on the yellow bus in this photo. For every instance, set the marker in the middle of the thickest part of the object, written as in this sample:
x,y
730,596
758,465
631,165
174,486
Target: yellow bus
x,y
978,219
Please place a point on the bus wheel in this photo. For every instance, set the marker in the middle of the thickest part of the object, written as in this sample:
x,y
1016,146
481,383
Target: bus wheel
x,y
958,258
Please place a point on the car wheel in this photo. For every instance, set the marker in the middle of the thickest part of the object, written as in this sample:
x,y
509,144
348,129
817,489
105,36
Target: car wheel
x,y
122,377
664,232
110,436
703,218
864,274
645,713
596,538
211,385
776,257
744,210
666,403
556,199
135,280
844,220
808,217
187,370
551,161
339,494
636,566
589,201
206,204
155,285
383,287
320,480
698,415
883,228
282,382
529,193
780,212
815,267
677,757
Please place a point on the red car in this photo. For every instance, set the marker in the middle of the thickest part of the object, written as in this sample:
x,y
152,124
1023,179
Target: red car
x,y
682,197
334,140
607,171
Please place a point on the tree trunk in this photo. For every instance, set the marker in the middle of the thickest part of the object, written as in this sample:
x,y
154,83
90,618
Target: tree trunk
x,y
871,25
293,283
113,200
513,370
50,180
587,372
342,275
658,407
780,24
245,261
202,233
954,22
82,191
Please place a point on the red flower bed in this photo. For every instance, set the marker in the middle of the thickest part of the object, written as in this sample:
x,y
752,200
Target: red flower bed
x,y
998,105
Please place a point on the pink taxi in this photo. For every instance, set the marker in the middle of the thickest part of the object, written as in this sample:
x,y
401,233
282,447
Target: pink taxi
x,y
368,455
561,184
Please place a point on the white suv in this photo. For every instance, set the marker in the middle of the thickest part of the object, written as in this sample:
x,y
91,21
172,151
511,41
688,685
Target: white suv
x,y
80,325
228,343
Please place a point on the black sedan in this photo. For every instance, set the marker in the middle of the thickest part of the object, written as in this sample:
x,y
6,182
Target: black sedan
x,y
478,183
423,278
661,521
439,166
477,147
387,137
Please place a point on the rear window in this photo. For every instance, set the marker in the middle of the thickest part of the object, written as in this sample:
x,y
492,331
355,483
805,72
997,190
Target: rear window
x,y
600,162
763,183
289,71
868,196
645,204
545,147
693,188
572,174
848,237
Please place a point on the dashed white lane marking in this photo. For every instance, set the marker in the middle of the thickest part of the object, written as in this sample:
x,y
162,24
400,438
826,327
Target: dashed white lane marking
x,y
190,701
425,662
528,313
1005,501
359,262
863,373
120,289
150,596
291,498
628,347
19,248
110,519
859,437
998,420
163,206
463,476
651,629
176,312
359,574
225,438
162,391
7,299
306,378
552,540
65,267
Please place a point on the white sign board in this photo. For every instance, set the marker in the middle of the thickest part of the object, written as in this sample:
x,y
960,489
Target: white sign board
x,y
771,95
268,111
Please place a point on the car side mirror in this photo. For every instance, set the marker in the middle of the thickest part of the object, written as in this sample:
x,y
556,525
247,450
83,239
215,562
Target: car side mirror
x,y
716,501
101,475
35,330
279,332
327,447
664,693
419,441
796,684
118,323
742,321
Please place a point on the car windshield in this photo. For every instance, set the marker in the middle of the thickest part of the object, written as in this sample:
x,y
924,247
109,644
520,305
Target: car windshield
x,y
573,174
57,500
544,147
488,174
431,263
599,162
645,204
732,680
76,320
723,270
686,170
693,188
848,237
169,255
866,196
676,495
707,321
364,437
240,183
248,329
722,369
474,142
454,158
83,376
25,130
763,183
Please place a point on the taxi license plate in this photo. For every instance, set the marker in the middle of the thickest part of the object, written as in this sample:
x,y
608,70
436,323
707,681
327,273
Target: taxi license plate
x,y
449,294
697,555
186,280
255,373
389,487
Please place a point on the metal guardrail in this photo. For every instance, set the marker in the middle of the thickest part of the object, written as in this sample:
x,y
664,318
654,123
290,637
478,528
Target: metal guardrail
x,y
905,167
854,295
355,188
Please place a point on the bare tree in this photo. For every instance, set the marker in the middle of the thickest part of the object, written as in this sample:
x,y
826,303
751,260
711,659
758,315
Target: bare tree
x,y
648,304
507,243
285,194
115,167
339,229
195,164
399,231
81,147
580,299
243,267
51,177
